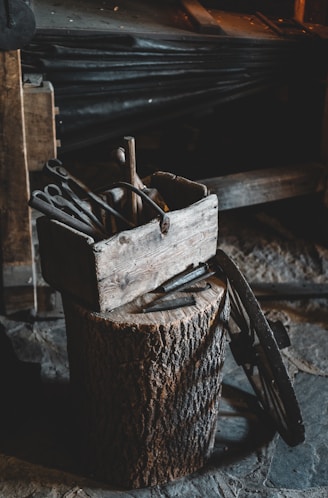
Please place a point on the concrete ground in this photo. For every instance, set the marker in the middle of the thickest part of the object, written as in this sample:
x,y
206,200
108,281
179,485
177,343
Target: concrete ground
x,y
285,242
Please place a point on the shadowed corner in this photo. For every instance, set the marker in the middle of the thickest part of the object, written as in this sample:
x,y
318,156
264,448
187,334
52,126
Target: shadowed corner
x,y
242,426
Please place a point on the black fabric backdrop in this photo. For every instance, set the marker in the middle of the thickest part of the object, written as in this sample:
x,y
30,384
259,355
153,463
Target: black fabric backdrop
x,y
106,85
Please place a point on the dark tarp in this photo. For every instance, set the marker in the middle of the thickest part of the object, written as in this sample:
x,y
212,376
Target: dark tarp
x,y
107,86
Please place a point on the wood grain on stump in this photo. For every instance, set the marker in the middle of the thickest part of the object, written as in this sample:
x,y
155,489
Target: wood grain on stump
x,y
146,386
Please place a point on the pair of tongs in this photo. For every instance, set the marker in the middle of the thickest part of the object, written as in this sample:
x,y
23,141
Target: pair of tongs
x,y
68,182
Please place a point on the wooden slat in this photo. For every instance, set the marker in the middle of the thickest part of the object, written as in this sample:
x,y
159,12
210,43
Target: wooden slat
x,y
201,18
266,185
299,10
39,115
15,217
288,290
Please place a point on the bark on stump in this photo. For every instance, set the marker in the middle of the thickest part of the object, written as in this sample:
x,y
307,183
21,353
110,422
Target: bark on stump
x,y
146,387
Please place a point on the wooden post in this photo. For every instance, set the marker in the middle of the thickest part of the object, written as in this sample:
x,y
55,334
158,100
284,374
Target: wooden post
x,y
299,10
19,291
146,387
40,128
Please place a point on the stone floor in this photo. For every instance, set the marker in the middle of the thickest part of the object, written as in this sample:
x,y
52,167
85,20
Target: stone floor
x,y
277,243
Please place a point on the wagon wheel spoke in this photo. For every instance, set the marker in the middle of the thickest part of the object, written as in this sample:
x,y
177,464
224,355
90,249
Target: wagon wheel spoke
x,y
255,348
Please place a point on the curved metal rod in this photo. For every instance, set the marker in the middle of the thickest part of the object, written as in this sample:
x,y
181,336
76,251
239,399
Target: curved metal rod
x,y
55,168
164,218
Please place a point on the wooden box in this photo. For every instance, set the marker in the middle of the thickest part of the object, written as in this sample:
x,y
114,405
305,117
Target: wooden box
x,y
106,274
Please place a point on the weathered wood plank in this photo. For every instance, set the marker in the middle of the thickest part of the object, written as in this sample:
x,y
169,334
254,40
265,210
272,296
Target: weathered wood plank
x,y
114,271
40,129
15,216
201,18
266,185
288,290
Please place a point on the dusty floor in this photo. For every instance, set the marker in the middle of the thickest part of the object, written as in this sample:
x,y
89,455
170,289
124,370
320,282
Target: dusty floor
x,y
286,242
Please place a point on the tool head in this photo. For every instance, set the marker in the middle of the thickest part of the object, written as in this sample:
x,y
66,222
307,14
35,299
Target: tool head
x,y
17,24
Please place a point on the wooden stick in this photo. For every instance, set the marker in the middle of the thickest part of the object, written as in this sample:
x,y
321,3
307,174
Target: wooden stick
x,y
18,276
131,174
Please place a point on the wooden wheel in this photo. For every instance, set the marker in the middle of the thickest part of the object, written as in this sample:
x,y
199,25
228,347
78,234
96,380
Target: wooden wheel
x,y
255,342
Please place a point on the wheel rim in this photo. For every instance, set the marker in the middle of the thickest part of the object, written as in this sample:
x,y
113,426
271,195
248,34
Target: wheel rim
x,y
255,348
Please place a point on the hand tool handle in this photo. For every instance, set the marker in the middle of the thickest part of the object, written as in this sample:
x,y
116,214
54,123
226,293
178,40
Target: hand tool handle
x,y
54,167
59,215
164,218
82,205
131,172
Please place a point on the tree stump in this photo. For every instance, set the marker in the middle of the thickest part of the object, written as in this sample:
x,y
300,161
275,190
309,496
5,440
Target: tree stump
x,y
146,386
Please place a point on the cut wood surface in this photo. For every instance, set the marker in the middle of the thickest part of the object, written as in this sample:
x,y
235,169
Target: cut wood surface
x,y
266,185
146,387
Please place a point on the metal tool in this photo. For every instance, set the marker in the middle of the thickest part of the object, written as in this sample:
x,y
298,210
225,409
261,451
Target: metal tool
x,y
164,218
187,277
54,196
41,203
184,281
81,204
255,343
55,169
170,304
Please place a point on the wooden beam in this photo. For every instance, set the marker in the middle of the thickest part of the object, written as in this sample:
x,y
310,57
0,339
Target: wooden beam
x,y
311,11
299,10
267,185
15,217
39,115
201,18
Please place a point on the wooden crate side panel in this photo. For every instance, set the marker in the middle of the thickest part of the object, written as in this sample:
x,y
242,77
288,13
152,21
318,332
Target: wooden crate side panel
x,y
178,192
137,261
67,261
